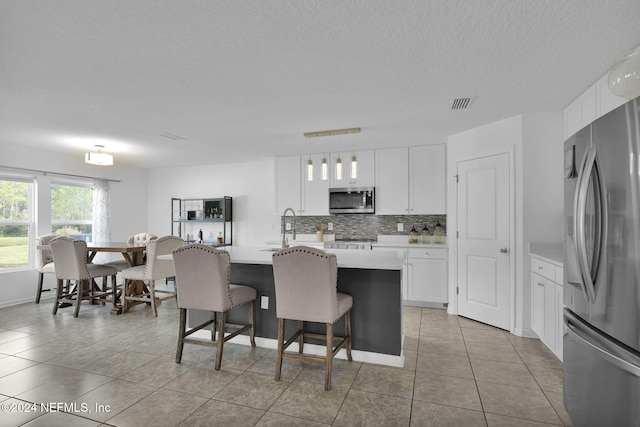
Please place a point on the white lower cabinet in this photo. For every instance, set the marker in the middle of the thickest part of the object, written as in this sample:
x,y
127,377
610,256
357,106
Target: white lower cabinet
x,y
427,276
546,304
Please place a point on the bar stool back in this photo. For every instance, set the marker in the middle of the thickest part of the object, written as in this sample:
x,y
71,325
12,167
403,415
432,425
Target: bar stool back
x,y
306,282
202,283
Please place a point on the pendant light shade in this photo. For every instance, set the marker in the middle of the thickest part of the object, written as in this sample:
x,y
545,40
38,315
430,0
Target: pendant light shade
x,y
324,169
309,170
98,158
354,167
338,168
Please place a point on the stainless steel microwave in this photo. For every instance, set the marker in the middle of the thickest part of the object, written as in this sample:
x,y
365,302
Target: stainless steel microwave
x,y
352,200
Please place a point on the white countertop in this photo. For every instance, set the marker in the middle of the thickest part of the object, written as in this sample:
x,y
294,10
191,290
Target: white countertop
x,y
552,252
383,241
347,258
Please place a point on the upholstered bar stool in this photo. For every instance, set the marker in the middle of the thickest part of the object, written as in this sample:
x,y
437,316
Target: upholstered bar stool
x,y
44,262
202,283
306,281
70,260
154,269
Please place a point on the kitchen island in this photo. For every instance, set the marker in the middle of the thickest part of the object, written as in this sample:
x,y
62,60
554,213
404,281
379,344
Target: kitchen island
x,y
372,278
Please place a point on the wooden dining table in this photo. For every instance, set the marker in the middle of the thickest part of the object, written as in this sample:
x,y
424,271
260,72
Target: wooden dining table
x,y
133,255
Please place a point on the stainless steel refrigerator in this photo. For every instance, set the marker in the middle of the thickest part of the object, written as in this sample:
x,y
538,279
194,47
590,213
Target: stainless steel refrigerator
x,y
602,271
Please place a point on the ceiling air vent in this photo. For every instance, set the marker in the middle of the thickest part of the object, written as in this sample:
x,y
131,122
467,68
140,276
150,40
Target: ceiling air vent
x,y
461,103
172,137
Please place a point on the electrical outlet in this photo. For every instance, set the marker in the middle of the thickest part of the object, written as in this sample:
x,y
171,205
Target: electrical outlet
x,y
400,226
288,226
264,302
330,226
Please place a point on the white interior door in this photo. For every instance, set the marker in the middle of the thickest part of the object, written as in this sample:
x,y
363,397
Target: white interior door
x,y
484,225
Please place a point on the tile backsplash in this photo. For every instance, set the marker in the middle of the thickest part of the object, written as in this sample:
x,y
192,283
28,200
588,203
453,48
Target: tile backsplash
x,y
356,226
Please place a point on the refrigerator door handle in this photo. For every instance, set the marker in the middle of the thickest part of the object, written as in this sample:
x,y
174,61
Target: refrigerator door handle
x,y
580,213
612,353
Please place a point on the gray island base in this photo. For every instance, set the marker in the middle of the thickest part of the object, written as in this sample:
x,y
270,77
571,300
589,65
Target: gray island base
x,y
376,313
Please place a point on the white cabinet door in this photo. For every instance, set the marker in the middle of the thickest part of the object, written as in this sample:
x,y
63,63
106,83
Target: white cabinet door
x,y
581,112
365,176
543,310
427,180
537,305
559,321
288,188
427,280
551,323
607,101
315,193
392,181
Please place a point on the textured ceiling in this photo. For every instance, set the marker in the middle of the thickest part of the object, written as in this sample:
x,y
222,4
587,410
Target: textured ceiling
x,y
244,79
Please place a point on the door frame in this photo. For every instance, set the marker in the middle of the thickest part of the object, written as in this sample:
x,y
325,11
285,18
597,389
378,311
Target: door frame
x,y
452,220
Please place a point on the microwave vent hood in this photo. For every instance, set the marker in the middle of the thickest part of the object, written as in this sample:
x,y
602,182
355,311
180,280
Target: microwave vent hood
x,y
352,200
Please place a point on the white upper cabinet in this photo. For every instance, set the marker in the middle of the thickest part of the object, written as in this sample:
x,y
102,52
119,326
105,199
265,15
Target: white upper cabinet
x,y
392,181
365,174
315,193
427,180
408,181
591,104
411,180
288,179
607,101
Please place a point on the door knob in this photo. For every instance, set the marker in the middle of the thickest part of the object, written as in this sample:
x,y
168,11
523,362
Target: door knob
x,y
504,250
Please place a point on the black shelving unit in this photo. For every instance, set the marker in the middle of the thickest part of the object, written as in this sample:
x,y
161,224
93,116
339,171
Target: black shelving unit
x,y
214,216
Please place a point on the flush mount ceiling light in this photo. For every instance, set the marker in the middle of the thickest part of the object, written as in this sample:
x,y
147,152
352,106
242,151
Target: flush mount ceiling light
x,y
338,166
624,76
98,158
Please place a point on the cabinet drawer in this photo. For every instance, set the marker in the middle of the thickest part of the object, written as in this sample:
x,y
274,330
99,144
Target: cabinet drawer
x,y
427,253
543,268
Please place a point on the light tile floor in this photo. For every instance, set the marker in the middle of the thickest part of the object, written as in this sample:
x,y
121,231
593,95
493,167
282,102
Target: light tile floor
x,y
101,369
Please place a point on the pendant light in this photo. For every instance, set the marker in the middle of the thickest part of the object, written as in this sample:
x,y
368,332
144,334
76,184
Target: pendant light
x,y
324,170
309,169
354,167
338,167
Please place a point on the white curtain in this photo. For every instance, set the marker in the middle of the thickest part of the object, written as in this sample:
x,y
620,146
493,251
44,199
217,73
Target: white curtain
x,y
101,217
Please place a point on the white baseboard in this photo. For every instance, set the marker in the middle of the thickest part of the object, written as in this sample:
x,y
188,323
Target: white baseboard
x,y
357,355
524,333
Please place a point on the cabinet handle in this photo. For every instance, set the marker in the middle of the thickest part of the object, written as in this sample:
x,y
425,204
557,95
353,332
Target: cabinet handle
x,y
540,284
540,267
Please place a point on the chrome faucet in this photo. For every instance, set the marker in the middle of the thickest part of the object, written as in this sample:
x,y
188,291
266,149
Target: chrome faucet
x,y
285,244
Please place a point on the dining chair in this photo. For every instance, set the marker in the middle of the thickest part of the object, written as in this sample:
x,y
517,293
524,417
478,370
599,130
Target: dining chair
x,y
70,262
138,239
44,262
306,281
202,283
146,274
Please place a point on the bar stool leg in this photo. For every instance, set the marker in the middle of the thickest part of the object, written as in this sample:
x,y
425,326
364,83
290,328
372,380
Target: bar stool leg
x,y
280,349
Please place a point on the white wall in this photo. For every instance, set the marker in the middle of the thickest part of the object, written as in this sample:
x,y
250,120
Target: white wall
x,y
128,206
535,144
251,184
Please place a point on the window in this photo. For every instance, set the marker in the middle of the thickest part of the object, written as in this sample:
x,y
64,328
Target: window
x,y
16,222
72,210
